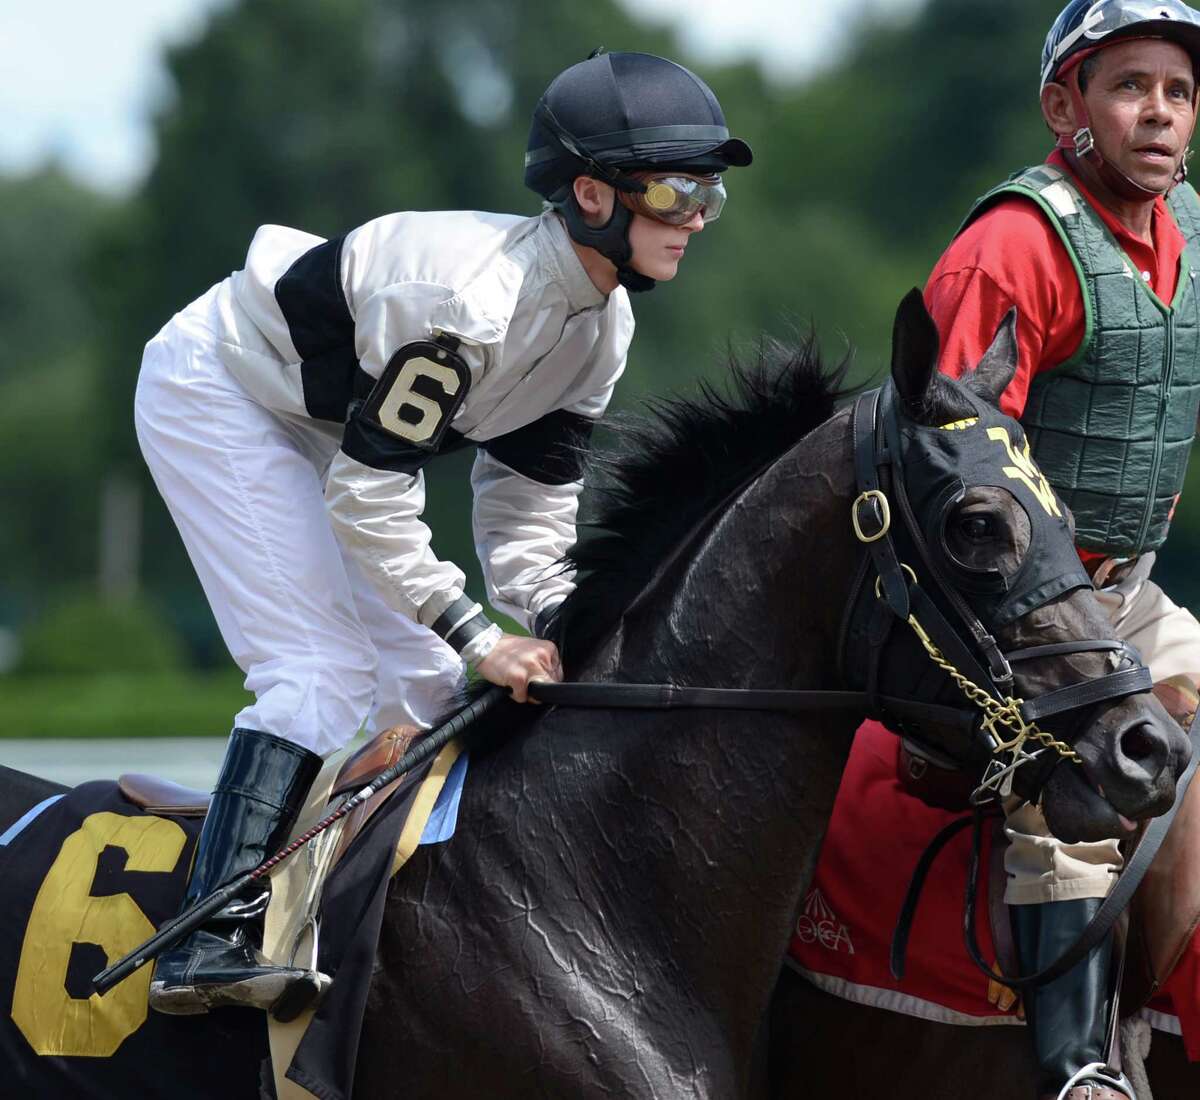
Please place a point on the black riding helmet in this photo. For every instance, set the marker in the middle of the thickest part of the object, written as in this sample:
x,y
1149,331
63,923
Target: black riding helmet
x,y
620,112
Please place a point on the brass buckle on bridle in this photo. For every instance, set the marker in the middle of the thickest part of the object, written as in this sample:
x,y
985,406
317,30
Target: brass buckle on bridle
x,y
905,569
884,516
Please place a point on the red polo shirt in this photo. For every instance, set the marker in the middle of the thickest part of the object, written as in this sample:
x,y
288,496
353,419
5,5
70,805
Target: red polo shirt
x,y
1012,256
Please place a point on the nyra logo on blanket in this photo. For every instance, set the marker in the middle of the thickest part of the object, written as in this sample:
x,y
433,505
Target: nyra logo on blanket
x,y
818,924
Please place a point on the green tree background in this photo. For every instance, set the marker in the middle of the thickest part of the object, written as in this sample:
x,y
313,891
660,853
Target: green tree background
x,y
324,113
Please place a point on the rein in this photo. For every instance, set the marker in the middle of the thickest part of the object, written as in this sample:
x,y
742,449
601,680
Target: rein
x,y
877,453
671,696
1111,907
1096,930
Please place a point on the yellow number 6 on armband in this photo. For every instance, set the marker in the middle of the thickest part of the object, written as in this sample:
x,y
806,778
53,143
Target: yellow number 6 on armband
x,y
65,913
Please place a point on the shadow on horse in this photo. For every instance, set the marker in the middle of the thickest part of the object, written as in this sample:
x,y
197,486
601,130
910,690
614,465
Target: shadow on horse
x,y
610,916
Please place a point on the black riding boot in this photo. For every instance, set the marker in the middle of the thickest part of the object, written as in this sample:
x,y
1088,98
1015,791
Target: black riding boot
x,y
1068,1018
260,792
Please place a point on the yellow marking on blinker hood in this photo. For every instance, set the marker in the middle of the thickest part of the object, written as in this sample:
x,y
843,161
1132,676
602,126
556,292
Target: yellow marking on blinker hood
x,y
959,425
1025,470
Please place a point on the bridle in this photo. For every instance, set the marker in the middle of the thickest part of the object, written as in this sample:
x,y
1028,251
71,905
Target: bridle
x,y
995,725
887,593
982,672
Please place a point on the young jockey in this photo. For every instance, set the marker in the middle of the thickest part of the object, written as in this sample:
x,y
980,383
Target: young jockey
x,y
286,416
1097,249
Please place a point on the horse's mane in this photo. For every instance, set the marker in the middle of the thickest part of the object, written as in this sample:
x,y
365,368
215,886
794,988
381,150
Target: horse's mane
x,y
669,466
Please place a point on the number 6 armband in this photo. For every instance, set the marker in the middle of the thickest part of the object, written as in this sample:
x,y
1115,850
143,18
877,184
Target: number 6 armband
x,y
419,392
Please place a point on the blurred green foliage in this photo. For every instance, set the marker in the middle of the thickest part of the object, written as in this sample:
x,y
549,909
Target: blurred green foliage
x,y
86,634
324,113
175,704
49,381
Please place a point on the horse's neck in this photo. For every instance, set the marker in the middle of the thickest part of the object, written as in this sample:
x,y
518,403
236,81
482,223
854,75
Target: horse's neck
x,y
758,604
758,598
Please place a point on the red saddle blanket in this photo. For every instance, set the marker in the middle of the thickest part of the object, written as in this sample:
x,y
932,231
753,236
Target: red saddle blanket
x,y
843,934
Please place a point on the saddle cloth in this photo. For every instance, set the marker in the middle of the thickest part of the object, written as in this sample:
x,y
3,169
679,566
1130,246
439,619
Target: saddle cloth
x,y
86,878
843,934
89,875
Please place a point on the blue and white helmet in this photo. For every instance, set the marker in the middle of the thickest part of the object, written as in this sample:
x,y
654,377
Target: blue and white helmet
x,y
1084,25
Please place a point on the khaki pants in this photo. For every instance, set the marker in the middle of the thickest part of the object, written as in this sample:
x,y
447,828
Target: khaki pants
x,y
1042,868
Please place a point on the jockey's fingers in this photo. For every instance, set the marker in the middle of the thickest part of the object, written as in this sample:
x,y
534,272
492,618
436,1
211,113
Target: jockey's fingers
x,y
517,685
516,661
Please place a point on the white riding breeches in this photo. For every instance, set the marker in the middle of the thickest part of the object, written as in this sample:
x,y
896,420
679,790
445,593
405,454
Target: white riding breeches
x,y
323,654
1042,868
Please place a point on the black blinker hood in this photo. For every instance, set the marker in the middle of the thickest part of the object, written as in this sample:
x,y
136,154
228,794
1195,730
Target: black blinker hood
x,y
940,463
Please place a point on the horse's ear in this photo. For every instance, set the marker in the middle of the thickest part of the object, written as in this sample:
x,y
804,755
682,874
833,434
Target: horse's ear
x,y
995,370
914,350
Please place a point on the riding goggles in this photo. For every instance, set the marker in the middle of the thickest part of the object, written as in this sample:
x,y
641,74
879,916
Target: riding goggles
x,y
1108,17
676,198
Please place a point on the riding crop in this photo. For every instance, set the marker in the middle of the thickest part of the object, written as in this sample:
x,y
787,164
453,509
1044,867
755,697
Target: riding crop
x,y
176,929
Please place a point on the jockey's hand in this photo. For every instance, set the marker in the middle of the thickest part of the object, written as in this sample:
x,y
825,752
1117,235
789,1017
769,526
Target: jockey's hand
x,y
516,660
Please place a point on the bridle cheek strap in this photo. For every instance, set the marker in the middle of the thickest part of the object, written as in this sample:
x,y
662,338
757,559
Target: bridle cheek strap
x,y
871,513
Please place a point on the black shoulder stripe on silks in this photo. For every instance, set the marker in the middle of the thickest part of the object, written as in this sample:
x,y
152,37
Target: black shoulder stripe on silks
x,y
372,446
552,450
310,297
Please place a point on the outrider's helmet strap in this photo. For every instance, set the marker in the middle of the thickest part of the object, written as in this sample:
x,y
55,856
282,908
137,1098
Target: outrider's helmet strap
x,y
1082,143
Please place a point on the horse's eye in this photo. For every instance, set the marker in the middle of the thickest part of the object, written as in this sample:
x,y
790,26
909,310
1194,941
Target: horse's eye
x,y
977,528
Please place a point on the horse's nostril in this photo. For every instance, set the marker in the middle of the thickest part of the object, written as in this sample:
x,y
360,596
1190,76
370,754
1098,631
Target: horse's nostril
x,y
1137,744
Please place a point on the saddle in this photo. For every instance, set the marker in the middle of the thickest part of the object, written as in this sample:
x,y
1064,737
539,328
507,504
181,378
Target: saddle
x,y
161,796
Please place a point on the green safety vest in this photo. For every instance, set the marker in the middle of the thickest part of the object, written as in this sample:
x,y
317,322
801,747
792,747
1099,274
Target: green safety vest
x,y
1112,426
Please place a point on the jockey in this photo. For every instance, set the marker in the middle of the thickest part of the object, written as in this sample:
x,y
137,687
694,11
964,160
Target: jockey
x,y
286,416
1097,249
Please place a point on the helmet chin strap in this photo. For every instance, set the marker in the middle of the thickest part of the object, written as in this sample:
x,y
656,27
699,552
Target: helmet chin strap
x,y
1081,145
611,240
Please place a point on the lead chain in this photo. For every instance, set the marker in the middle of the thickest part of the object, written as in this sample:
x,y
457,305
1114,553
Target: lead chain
x,y
996,713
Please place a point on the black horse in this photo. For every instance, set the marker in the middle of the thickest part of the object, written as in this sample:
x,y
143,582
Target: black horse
x,y
610,917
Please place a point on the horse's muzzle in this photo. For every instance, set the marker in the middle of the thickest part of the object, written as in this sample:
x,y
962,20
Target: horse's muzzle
x,y
1133,754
